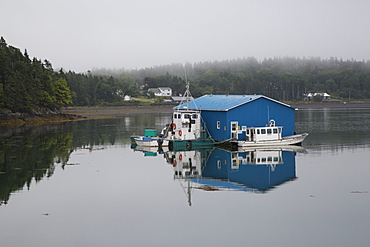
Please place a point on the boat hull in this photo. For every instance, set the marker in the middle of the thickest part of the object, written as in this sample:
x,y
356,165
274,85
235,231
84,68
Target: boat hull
x,y
191,144
152,142
288,140
172,144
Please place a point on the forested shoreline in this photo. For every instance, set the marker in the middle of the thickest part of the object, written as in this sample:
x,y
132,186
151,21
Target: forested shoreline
x,y
27,84
32,86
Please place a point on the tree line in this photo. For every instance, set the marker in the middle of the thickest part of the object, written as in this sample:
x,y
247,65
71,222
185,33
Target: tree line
x,y
286,79
27,84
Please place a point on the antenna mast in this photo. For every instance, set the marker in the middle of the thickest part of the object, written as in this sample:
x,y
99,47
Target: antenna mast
x,y
187,95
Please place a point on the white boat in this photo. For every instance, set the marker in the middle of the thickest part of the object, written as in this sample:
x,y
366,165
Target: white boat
x,y
150,141
269,136
147,149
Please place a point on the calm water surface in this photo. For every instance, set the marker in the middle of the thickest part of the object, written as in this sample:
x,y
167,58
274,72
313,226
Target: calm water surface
x,y
81,184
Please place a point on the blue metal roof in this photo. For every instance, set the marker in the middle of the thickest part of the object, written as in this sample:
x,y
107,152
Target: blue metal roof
x,y
220,102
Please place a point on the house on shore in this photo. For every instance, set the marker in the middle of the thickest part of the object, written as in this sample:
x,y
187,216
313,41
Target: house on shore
x,y
229,116
161,91
310,96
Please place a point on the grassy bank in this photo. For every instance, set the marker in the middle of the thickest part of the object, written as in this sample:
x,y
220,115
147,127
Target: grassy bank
x,y
116,110
82,113
34,121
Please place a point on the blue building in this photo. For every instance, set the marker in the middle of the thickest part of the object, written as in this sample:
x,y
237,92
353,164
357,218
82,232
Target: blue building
x,y
228,116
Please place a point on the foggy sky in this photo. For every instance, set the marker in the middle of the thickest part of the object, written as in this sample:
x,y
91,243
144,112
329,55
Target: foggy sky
x,y
79,35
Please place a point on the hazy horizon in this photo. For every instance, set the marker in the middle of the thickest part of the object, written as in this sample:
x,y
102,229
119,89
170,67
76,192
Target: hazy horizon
x,y
83,35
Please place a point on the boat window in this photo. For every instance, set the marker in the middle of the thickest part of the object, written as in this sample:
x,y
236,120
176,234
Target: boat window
x,y
269,131
276,159
218,125
275,131
174,116
187,116
195,116
178,116
247,131
269,158
258,131
233,127
263,131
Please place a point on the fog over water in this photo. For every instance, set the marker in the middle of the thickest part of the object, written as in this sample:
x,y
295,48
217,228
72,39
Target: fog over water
x,y
82,35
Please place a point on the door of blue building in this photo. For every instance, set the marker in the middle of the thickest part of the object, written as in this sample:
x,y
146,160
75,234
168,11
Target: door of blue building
x,y
234,130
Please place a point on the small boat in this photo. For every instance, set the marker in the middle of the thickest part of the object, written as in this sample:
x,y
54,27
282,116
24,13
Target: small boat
x,y
269,136
149,141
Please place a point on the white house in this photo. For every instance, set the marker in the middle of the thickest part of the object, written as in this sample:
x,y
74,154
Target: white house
x,y
127,98
309,96
161,91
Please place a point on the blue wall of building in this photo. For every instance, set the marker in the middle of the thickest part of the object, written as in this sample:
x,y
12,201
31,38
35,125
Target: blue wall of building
x,y
256,113
210,118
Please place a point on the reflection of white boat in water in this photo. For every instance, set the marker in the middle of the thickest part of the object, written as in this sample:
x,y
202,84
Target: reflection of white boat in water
x,y
288,148
147,150
187,166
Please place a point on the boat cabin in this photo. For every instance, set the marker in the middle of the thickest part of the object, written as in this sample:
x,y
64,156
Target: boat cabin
x,y
269,133
186,125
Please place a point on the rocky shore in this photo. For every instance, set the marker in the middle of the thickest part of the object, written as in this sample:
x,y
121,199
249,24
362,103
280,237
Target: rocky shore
x,y
331,105
41,117
91,112
36,117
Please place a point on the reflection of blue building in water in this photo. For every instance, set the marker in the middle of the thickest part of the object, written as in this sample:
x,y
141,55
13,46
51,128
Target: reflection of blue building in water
x,y
254,169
